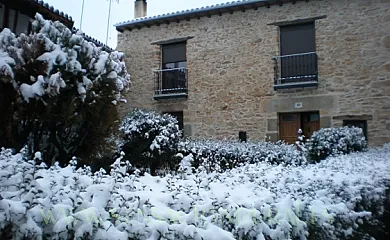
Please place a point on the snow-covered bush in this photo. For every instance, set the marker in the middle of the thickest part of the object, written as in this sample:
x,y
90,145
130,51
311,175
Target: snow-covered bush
x,y
344,197
334,141
59,90
215,155
150,139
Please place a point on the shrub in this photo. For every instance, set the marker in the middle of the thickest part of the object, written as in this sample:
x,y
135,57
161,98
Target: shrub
x,y
150,139
57,91
214,155
255,201
334,141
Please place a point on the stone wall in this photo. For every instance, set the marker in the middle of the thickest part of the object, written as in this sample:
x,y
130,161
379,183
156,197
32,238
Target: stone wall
x,y
231,68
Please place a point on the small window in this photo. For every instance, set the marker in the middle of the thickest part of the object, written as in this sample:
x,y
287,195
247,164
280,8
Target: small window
x,y
179,116
357,123
23,25
11,19
1,15
311,117
289,117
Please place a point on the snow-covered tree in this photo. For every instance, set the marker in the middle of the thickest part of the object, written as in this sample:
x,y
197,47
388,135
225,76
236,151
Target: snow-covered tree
x,y
59,90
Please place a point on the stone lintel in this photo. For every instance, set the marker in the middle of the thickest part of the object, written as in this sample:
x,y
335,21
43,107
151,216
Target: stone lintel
x,y
297,21
353,117
173,40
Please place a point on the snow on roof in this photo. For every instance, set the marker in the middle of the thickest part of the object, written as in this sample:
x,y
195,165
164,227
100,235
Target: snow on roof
x,y
53,10
95,41
198,12
69,18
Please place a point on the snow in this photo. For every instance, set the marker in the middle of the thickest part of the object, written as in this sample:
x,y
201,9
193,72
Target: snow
x,y
34,90
5,62
252,201
67,57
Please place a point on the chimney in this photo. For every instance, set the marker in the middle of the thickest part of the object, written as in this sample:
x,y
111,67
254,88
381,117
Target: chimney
x,y
140,8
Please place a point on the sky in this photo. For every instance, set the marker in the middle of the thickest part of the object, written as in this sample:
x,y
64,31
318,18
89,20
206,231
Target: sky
x,y
95,17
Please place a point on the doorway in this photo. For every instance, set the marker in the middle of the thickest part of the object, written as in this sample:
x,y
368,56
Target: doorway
x,y
290,123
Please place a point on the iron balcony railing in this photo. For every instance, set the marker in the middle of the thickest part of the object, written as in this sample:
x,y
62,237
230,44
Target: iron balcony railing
x,y
170,83
296,70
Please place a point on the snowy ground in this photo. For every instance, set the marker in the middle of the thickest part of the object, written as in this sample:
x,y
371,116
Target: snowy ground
x,y
259,201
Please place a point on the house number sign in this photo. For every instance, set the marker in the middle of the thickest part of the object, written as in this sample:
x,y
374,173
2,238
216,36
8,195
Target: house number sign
x,y
298,105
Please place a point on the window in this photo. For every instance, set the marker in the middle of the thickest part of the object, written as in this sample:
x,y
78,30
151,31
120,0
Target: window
x,y
179,116
172,78
12,16
357,123
174,55
174,63
298,38
1,15
23,25
297,64
289,117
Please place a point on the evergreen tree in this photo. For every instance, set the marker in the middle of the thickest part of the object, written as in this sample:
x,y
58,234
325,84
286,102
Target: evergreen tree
x,y
58,91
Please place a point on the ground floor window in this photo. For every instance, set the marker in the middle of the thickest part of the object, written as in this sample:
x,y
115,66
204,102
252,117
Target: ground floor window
x,y
179,116
357,123
290,123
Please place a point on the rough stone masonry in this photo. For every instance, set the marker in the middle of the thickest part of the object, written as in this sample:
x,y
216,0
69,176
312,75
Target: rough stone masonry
x,y
231,71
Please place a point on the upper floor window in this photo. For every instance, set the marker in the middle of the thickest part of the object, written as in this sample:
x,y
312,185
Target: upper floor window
x,y
174,55
297,64
299,38
171,79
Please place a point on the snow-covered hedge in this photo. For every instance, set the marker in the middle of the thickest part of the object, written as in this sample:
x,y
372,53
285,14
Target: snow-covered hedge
x,y
215,155
150,139
344,197
334,141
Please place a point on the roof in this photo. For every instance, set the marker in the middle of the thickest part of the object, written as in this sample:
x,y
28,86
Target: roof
x,y
51,13
207,11
48,10
69,20
69,23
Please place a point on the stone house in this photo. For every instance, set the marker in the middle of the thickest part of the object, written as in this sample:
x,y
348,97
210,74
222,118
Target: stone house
x,y
263,68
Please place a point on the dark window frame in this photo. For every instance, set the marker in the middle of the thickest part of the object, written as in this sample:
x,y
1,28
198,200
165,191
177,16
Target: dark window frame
x,y
175,56
355,123
298,26
172,78
179,115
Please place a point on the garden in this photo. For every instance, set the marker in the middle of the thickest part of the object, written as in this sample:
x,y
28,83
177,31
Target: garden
x,y
71,169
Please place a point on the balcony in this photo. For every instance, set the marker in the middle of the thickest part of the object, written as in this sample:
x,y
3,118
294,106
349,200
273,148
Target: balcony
x,y
296,71
170,83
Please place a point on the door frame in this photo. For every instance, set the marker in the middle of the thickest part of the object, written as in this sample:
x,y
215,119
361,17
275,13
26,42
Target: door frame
x,y
300,119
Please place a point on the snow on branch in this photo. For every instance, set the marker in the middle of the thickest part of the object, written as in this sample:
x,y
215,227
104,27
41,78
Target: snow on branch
x,y
59,59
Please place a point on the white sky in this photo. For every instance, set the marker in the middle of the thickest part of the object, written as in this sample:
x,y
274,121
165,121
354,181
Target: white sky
x,y
96,13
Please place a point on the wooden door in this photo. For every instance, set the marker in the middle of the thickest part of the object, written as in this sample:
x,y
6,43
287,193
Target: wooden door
x,y
289,124
310,123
